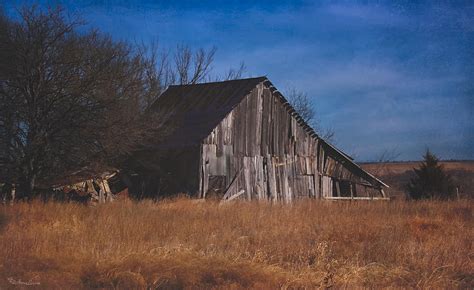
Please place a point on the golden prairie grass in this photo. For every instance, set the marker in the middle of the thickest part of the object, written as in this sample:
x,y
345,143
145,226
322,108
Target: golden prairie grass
x,y
188,244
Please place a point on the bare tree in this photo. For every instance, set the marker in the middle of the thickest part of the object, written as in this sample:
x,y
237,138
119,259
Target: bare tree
x,y
387,156
184,65
188,66
234,74
301,103
192,67
68,100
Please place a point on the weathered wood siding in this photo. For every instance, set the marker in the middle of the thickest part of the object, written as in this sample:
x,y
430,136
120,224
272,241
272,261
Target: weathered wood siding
x,y
262,147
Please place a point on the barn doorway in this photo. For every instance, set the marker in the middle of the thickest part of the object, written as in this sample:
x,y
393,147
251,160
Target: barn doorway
x,y
217,186
345,187
341,188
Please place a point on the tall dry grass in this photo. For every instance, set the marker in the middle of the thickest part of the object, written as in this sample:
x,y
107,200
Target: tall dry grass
x,y
188,244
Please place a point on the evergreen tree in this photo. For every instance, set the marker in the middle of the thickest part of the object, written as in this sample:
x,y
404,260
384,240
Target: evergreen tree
x,y
430,180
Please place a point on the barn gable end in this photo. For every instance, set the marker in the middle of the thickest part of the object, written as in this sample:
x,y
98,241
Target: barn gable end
x,y
263,150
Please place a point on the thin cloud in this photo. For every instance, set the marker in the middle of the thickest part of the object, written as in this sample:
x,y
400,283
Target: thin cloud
x,y
368,14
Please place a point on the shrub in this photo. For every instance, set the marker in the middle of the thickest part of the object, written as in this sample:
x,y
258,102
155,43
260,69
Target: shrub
x,y
430,180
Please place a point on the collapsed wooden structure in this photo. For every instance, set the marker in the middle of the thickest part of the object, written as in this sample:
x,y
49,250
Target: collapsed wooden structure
x,y
94,188
243,139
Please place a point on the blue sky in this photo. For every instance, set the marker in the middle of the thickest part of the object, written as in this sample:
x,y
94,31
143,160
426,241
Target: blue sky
x,y
385,75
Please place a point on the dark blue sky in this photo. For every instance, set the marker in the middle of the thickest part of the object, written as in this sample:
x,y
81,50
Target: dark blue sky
x,y
391,75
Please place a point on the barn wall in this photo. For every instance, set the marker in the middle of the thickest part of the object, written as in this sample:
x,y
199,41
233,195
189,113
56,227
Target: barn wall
x,y
261,151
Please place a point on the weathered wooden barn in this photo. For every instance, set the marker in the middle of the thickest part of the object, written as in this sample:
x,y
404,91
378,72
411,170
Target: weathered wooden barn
x,y
242,139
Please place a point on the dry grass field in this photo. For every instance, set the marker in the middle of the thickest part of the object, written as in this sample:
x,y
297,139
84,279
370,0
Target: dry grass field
x,y
187,244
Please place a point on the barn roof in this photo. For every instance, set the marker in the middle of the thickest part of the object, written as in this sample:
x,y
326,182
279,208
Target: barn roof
x,y
195,110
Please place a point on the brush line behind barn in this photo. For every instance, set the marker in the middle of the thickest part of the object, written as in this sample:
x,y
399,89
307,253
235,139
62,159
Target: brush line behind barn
x,y
184,243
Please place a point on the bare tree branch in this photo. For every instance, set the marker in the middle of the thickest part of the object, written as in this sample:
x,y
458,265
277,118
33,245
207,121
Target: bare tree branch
x,y
234,74
302,104
388,155
192,68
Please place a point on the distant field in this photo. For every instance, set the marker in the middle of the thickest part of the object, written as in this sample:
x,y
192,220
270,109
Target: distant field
x,y
398,174
200,245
